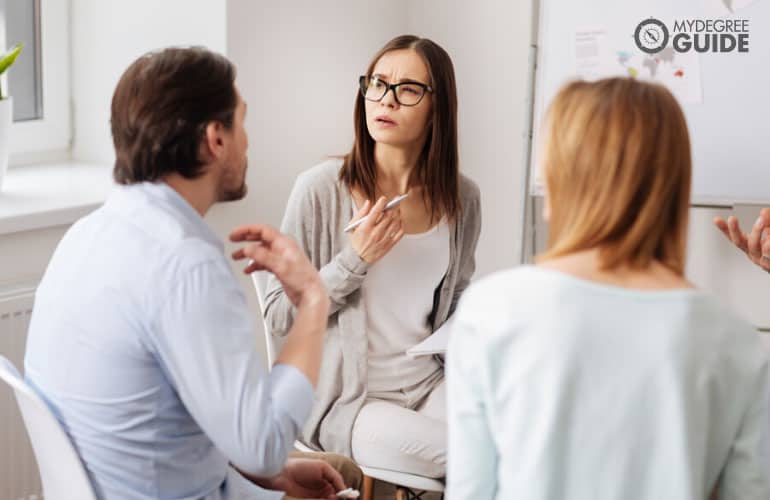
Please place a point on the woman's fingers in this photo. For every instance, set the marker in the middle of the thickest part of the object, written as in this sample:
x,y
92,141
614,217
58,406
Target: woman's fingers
x,y
754,241
766,243
380,230
374,215
393,228
756,244
362,212
736,235
721,224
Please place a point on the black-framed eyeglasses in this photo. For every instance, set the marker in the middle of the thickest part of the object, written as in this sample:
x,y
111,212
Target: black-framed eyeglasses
x,y
406,93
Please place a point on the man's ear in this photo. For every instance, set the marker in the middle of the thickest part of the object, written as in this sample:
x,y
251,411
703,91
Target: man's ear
x,y
213,142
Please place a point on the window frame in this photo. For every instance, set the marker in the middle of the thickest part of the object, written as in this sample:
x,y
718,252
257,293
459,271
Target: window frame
x,y
51,134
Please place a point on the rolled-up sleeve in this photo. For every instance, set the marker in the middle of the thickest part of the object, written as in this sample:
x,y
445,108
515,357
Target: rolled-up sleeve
x,y
204,340
292,392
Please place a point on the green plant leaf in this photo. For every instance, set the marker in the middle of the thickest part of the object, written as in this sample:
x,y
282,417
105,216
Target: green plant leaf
x,y
10,57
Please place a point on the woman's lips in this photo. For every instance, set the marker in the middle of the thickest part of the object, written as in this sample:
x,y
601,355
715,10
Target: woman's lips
x,y
384,121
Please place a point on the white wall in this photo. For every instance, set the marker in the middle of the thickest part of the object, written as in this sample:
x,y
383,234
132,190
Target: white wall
x,y
714,264
107,35
489,45
298,66
298,62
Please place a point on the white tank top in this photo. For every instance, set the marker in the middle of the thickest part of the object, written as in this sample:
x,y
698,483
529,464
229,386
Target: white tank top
x,y
398,296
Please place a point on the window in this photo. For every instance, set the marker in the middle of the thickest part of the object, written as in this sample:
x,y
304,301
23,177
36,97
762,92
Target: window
x,y
39,82
24,81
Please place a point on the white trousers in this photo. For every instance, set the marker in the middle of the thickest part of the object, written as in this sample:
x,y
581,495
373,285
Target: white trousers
x,y
392,432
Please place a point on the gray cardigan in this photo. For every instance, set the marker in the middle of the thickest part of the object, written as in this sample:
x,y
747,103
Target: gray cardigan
x,y
319,208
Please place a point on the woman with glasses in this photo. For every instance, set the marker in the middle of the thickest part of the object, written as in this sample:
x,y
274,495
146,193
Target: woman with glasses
x,y
396,278
601,373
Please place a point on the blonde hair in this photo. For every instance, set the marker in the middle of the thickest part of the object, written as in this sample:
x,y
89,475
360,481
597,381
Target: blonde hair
x,y
617,171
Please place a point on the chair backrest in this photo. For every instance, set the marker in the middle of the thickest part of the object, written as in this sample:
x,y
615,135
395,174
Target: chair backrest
x,y
61,470
259,278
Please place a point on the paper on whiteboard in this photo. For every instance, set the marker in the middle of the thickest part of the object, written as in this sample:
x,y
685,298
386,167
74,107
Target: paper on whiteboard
x,y
600,54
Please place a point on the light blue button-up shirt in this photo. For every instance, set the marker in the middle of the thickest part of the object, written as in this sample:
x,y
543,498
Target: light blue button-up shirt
x,y
142,343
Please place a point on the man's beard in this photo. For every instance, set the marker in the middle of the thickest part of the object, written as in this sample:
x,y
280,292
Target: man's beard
x,y
234,194
239,193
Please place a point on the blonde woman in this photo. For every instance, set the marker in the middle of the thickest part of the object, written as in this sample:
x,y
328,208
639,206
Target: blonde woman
x,y
601,373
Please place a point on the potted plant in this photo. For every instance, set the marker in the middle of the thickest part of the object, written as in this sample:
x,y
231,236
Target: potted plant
x,y
6,110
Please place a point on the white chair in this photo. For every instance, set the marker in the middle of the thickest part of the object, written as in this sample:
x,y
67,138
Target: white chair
x,y
61,470
259,278
408,486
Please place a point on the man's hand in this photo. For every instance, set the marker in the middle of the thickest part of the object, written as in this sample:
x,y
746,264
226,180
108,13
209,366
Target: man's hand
x,y
308,478
755,245
279,254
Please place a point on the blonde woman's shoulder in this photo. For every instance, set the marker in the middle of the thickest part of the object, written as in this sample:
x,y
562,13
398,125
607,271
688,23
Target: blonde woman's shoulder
x,y
501,293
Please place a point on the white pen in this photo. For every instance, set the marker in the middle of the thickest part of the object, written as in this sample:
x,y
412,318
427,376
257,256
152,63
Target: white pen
x,y
392,203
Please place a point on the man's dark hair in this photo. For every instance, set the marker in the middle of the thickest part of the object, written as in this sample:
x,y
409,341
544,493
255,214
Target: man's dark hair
x,y
160,110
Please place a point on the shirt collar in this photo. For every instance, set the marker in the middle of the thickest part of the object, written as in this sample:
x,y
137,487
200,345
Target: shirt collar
x,y
162,191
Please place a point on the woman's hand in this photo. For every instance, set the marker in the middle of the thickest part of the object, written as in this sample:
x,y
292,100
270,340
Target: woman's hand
x,y
755,245
379,233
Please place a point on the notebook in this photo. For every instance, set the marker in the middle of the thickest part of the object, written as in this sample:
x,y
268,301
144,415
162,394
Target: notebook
x,y
434,344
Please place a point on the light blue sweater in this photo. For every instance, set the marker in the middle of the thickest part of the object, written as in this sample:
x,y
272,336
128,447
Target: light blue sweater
x,y
561,388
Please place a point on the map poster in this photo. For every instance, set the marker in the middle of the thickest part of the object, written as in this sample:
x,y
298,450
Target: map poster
x,y
599,55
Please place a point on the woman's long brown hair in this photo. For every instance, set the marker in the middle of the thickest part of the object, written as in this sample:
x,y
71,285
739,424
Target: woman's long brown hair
x,y
437,171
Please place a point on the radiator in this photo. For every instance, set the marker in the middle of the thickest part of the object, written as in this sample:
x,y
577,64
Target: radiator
x,y
19,478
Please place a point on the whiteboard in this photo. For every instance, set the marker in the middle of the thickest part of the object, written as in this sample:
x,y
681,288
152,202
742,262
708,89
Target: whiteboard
x,y
729,129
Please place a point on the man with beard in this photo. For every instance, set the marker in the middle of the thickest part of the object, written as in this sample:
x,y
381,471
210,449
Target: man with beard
x,y
141,341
